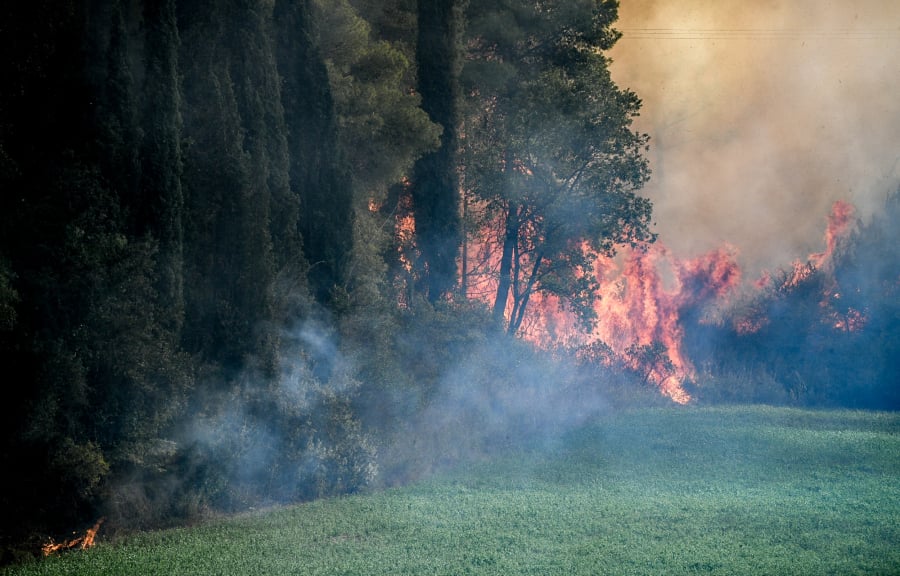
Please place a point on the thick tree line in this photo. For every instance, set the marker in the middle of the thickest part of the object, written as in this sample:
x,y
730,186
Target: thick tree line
x,y
155,191
206,287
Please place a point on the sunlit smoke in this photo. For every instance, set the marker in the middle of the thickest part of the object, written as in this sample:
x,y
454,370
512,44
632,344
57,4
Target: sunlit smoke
x,y
761,116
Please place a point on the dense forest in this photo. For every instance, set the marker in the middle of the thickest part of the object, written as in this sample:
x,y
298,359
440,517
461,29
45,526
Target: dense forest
x,y
265,252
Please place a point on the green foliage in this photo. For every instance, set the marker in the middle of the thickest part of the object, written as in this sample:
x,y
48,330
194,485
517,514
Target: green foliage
x,y
552,152
381,127
381,130
81,467
391,20
8,297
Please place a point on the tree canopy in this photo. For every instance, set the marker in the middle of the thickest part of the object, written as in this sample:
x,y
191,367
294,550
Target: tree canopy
x,y
553,156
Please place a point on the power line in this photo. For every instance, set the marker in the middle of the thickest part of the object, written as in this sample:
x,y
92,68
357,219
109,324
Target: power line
x,y
757,34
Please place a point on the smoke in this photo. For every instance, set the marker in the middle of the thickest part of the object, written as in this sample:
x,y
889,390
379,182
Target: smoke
x,y
503,395
259,439
762,115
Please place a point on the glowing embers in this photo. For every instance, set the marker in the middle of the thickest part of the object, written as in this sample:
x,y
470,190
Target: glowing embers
x,y
851,320
84,541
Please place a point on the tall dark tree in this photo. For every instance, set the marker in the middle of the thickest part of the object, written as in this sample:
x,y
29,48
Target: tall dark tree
x,y
102,375
317,181
159,211
229,256
435,185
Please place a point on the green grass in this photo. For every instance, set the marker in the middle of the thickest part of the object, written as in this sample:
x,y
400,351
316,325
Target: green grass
x,y
738,490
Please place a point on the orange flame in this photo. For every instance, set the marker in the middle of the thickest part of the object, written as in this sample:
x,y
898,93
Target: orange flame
x,y
636,312
83,542
840,224
644,296
841,220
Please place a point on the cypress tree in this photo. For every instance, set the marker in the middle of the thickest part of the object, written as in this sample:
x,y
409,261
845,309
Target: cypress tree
x,y
234,169
217,328
316,178
161,203
435,190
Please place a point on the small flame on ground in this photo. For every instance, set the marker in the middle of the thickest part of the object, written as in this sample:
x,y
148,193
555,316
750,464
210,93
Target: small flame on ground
x,y
83,542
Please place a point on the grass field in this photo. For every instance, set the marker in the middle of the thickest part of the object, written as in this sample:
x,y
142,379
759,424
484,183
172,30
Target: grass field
x,y
738,490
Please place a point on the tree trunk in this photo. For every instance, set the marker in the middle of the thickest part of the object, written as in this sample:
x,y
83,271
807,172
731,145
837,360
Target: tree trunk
x,y
506,260
435,189
521,299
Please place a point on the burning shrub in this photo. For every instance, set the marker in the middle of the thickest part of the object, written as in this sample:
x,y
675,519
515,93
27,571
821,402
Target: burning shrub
x,y
822,332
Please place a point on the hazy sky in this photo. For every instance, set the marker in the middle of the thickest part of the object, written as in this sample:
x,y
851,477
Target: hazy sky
x,y
761,115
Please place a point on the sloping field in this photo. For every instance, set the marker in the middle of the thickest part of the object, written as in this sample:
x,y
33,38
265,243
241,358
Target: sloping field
x,y
738,490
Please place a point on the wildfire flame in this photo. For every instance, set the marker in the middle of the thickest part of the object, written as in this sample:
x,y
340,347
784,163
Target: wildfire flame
x,y
83,542
840,224
646,295
841,220
638,315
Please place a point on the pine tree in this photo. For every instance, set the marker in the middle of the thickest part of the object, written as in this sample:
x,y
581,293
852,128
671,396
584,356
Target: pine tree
x,y
554,158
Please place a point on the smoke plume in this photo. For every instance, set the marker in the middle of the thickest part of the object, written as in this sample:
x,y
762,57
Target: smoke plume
x,y
762,115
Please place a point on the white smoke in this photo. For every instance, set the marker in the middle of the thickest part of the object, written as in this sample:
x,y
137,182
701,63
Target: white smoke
x,y
761,115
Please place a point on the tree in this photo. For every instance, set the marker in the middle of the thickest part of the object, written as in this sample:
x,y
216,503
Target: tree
x,y
554,160
435,185
232,163
99,375
317,174
381,129
380,125
161,204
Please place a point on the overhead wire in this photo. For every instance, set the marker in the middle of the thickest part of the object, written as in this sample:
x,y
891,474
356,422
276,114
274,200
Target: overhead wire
x,y
757,34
